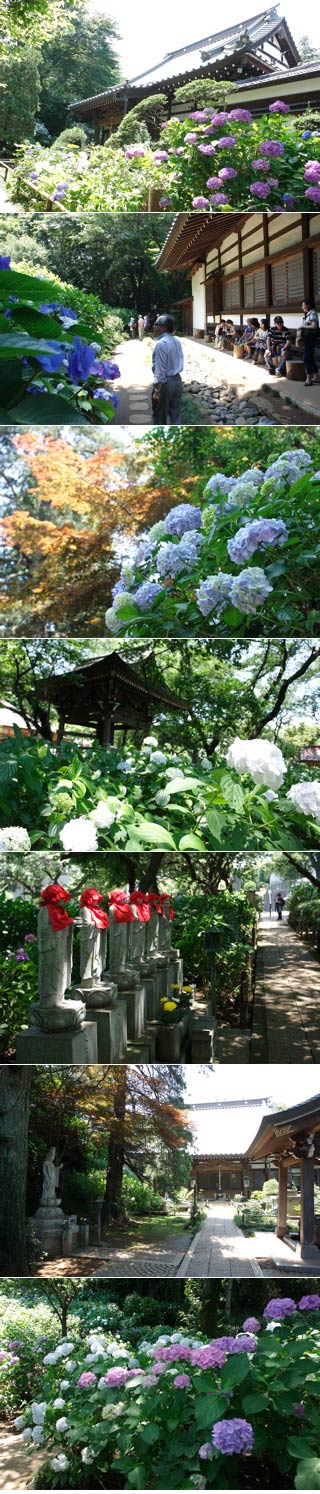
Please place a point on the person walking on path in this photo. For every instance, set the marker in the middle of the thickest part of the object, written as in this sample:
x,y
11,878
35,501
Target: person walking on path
x,y
310,329
167,365
140,327
280,901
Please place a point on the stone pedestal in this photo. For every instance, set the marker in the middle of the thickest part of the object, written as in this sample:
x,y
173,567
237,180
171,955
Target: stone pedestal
x,y
176,971
170,1039
203,1041
111,1024
71,1046
136,1011
102,994
48,1225
154,990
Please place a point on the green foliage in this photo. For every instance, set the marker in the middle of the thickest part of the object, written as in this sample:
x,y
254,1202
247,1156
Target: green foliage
x,y
118,265
76,63
18,980
19,96
231,915
150,113
304,911
33,370
80,1192
121,184
252,1215
139,1198
152,1438
203,91
74,135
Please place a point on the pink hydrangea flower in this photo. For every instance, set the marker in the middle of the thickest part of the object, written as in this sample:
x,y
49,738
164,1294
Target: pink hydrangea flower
x,y
116,1376
279,107
251,1325
86,1379
181,1382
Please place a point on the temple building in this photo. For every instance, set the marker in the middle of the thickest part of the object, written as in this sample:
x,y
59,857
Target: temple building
x,y
242,264
106,694
290,1141
239,1144
258,55
222,1134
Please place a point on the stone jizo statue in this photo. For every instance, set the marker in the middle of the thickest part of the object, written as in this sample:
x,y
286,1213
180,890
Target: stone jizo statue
x,y
97,989
52,1013
51,1173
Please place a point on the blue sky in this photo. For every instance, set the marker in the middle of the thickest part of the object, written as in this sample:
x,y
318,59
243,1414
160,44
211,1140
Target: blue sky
x,y
144,42
286,1084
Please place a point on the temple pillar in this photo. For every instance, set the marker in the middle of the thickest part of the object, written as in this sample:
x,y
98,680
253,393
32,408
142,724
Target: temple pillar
x,y
97,132
308,1249
282,1200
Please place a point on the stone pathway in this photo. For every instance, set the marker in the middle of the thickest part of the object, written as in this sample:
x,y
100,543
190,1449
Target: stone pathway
x,y
286,1025
16,1469
134,387
218,1249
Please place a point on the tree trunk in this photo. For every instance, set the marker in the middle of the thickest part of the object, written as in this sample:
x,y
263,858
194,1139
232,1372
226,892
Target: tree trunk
x,y
15,1086
210,1307
112,1205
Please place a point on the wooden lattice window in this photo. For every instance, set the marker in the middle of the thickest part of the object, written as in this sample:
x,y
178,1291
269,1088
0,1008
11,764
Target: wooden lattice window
x,y
287,280
231,295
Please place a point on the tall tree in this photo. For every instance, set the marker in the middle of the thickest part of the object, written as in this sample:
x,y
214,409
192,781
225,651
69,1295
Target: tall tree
x,y
75,64
19,96
15,1089
147,1112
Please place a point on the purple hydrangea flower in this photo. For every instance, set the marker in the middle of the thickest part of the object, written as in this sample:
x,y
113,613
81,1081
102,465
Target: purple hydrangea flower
x,y
288,199
206,150
80,361
200,202
279,107
116,1376
220,119
182,518
219,199
181,1382
260,165
272,181
191,139
209,1356
21,956
161,155
200,115
134,150
272,148
165,202
298,1410
206,1450
226,142
60,191
251,1325
309,1302
147,594
259,189
243,116
249,590
279,1308
213,181
234,1436
313,194
86,1380
244,1343
260,533
112,399
105,369
226,173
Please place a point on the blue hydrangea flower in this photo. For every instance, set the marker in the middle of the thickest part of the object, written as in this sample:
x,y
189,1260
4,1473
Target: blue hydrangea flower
x,y
250,589
80,361
51,361
5,261
182,518
260,533
233,1436
214,593
147,594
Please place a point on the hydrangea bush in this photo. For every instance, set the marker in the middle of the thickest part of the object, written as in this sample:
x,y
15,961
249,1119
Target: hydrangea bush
x,y
94,799
49,369
211,161
183,1411
250,543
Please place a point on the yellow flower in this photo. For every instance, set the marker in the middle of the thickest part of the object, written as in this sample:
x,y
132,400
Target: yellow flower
x,y
170,1006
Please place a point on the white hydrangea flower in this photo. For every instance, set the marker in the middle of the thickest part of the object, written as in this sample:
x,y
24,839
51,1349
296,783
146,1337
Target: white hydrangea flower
x,y
258,757
111,620
121,600
86,1455
150,742
27,1435
158,758
102,816
270,795
79,835
14,838
306,798
37,1435
70,1365
19,1423
64,1384
62,1424
60,1463
38,1409
59,1403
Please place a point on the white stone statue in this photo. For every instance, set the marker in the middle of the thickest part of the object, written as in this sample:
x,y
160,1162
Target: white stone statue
x,y
51,1174
52,1013
121,970
94,923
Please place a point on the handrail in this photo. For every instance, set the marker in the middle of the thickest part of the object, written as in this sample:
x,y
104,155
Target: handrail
x,y
50,204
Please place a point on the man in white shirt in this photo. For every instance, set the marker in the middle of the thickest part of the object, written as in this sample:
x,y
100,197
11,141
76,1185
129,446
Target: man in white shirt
x,y
310,334
167,365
